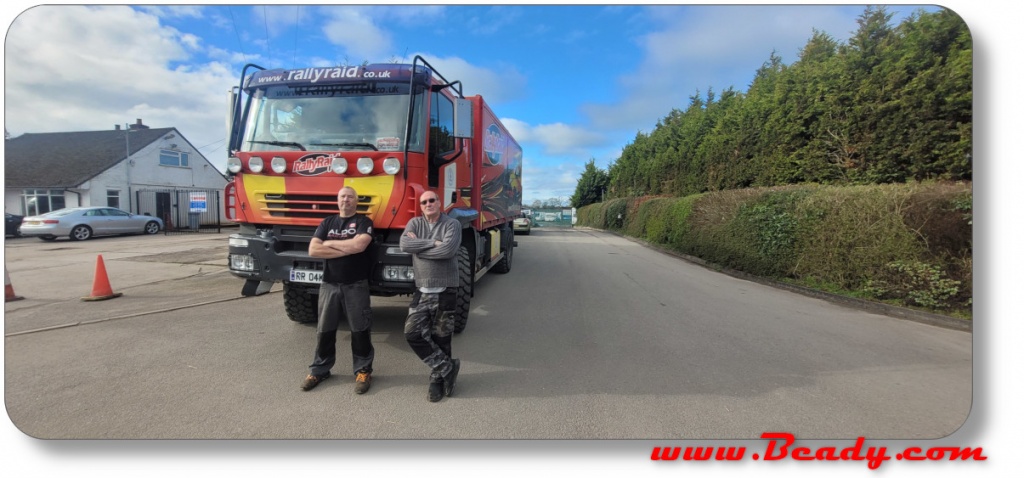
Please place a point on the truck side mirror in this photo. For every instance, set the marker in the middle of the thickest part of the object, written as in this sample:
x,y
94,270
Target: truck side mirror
x,y
232,117
463,118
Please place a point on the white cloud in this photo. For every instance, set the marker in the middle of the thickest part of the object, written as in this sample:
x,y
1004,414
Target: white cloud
x,y
106,65
556,138
407,14
496,86
355,31
175,11
698,48
550,181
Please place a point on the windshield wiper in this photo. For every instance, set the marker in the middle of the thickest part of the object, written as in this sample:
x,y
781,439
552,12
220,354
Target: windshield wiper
x,y
361,145
280,143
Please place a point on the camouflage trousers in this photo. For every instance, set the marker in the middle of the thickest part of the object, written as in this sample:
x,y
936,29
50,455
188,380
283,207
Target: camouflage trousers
x,y
429,328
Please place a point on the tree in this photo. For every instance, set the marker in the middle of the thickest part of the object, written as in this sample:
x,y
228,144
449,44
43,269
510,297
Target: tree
x,y
890,105
590,187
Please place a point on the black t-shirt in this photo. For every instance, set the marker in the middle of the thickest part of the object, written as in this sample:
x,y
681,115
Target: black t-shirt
x,y
347,269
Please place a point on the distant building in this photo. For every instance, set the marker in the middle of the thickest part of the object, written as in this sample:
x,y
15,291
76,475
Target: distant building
x,y
139,169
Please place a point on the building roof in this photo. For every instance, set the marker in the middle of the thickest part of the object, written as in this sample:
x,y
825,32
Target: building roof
x,y
66,160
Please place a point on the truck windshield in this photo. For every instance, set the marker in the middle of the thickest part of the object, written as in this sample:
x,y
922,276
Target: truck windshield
x,y
279,122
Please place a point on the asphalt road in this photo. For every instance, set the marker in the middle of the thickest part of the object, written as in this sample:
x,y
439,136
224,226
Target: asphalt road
x,y
590,336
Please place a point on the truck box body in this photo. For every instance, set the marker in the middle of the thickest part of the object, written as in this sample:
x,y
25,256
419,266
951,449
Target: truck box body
x,y
389,131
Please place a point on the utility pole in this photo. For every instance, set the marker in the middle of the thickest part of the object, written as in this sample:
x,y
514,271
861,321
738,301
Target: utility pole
x,y
128,164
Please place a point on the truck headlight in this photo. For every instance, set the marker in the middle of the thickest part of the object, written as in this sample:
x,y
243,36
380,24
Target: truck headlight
x,y
364,165
238,242
398,273
242,262
391,166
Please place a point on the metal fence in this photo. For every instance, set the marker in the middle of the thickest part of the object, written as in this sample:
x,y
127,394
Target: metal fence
x,y
184,211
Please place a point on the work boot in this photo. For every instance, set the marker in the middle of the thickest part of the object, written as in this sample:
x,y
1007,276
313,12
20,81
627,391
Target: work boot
x,y
312,381
436,390
362,382
449,378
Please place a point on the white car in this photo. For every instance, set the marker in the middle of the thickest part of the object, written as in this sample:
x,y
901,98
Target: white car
x,y
81,223
521,225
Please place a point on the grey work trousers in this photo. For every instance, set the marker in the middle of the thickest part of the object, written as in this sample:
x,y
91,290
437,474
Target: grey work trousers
x,y
351,302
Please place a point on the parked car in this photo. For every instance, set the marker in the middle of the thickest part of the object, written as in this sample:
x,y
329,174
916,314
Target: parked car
x,y
521,225
81,223
11,224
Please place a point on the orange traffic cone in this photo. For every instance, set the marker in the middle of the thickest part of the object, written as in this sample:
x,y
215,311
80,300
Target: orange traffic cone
x,y
8,288
101,285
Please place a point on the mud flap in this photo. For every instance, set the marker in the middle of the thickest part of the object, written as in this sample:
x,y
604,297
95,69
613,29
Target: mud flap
x,y
255,287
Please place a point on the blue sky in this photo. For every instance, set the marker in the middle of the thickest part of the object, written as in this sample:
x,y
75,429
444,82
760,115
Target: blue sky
x,y
571,82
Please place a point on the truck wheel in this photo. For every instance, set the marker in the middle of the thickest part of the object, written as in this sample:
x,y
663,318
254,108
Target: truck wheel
x,y
300,304
505,264
465,290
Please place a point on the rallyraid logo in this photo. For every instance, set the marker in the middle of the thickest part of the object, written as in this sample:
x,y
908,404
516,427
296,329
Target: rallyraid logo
x,y
313,165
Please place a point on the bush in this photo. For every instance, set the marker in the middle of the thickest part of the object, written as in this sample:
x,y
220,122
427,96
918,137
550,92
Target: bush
x,y
917,283
615,213
853,233
905,242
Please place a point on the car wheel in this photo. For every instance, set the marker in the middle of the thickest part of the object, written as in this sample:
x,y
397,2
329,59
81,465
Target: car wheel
x,y
80,233
152,227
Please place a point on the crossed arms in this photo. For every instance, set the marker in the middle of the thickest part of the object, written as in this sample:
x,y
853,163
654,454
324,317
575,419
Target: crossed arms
x,y
332,248
426,248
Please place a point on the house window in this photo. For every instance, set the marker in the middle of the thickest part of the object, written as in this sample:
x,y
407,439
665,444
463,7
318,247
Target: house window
x,y
42,201
173,158
114,198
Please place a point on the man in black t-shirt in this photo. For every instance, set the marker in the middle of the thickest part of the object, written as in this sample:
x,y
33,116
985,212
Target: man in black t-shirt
x,y
343,242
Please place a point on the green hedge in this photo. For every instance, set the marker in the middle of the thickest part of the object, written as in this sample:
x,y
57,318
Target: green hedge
x,y
908,244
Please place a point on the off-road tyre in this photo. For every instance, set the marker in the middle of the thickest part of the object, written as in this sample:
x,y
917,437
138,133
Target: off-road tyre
x,y
465,290
505,264
300,304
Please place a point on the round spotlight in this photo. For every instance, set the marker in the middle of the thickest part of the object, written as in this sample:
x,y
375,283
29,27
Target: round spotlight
x,y
339,165
391,166
278,164
364,165
234,165
256,164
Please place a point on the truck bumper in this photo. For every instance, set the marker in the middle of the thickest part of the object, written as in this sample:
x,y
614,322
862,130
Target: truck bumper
x,y
263,259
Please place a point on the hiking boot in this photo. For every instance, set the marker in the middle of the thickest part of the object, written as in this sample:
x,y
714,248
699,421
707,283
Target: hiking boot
x,y
362,382
436,390
312,381
449,379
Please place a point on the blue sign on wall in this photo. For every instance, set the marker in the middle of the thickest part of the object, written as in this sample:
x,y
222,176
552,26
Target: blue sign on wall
x,y
197,202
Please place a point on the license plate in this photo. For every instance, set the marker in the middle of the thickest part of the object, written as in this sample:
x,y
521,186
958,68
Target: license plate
x,y
307,276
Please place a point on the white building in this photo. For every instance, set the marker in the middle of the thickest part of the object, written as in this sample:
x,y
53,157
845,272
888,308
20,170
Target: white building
x,y
139,169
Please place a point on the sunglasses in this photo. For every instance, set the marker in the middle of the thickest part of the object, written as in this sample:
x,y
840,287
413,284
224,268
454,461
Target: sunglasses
x,y
428,201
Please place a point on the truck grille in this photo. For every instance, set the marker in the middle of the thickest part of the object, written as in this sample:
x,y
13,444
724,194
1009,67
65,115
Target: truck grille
x,y
316,206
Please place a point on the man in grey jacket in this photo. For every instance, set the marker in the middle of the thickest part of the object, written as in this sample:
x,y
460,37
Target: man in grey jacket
x,y
433,240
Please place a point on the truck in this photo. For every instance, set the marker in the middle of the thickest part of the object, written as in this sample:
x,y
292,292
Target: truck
x,y
392,132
